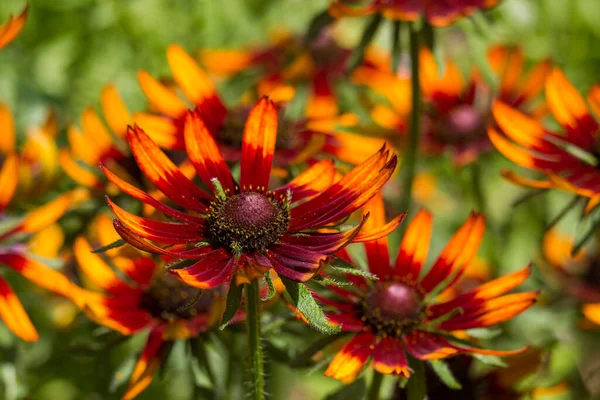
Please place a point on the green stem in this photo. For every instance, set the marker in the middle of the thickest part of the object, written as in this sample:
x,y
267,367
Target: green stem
x,y
254,345
416,389
410,156
375,386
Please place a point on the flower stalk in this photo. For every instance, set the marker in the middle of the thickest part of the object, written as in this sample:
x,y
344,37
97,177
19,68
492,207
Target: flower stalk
x,y
410,158
254,345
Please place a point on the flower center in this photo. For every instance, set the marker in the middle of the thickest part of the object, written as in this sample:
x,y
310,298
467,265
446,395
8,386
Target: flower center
x,y
463,124
168,298
392,308
247,222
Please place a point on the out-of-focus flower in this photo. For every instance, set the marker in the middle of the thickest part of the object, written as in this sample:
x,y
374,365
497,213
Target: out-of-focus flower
x,y
578,275
150,299
569,158
438,13
400,311
11,29
244,228
457,113
14,254
288,64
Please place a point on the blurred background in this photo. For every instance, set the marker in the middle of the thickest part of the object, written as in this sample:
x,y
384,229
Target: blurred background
x,y
70,49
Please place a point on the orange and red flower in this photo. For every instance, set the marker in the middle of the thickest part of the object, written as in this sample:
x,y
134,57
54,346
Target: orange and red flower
x,y
149,299
436,12
457,112
244,228
11,29
568,158
400,312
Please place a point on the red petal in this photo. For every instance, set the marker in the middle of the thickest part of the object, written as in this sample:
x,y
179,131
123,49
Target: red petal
x,y
212,270
147,365
13,314
258,145
350,360
389,358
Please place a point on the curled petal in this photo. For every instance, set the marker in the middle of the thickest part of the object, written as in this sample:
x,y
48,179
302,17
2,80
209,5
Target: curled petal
x,y
314,180
212,270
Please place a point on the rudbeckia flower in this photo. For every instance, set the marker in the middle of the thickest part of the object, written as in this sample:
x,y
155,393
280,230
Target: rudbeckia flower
x,y
244,228
399,312
438,13
14,254
148,300
317,133
11,29
567,157
457,111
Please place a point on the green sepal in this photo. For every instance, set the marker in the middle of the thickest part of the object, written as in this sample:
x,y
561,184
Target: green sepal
x,y
271,287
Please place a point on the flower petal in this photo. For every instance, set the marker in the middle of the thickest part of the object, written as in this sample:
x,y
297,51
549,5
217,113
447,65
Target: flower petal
x,y
258,145
147,365
314,180
294,262
9,176
348,194
414,247
378,255
115,111
160,97
204,153
8,137
350,360
212,270
389,358
13,314
165,175
457,254
13,27
428,346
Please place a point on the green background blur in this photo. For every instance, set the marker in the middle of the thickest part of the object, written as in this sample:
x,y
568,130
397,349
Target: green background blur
x,y
70,49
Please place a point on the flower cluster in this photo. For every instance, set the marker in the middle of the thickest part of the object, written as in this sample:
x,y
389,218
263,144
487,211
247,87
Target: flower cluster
x,y
203,217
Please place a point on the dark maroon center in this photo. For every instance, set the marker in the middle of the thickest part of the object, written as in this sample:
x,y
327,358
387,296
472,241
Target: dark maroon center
x,y
252,210
247,222
392,308
463,124
168,298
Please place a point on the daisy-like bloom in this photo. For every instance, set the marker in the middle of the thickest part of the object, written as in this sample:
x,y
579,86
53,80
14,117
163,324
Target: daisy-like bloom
x,y
148,300
400,313
569,158
11,29
244,228
457,111
288,64
436,12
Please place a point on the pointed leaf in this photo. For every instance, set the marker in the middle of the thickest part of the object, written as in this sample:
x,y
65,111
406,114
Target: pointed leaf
x,y
442,370
308,307
110,246
234,301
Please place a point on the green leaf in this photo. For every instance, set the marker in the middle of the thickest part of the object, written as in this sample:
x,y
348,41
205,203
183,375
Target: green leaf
x,y
345,267
357,390
590,223
110,246
271,287
234,300
478,51
442,370
445,317
493,361
308,307
304,358
368,34
329,281
483,333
